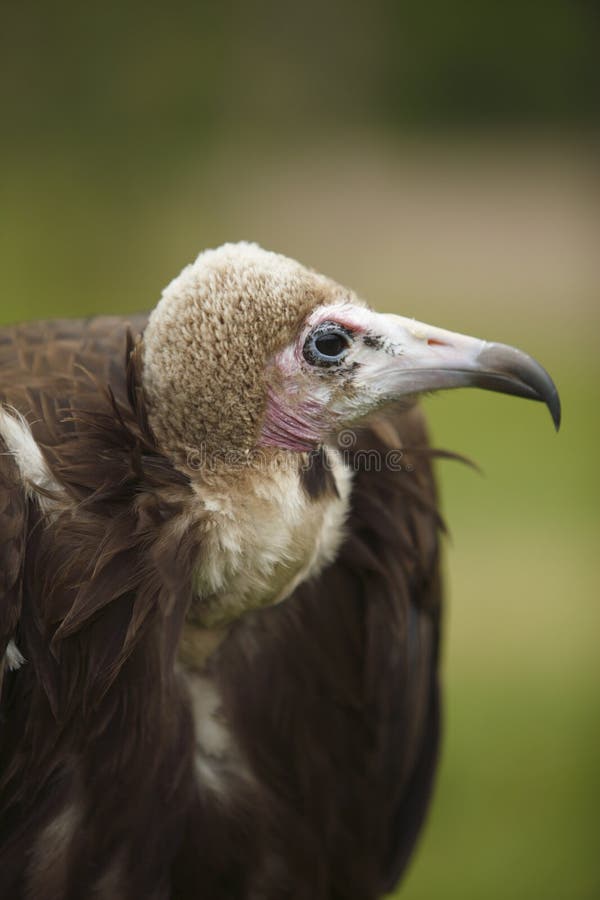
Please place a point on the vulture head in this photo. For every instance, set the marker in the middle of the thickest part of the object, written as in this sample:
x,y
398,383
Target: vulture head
x,y
252,364
250,349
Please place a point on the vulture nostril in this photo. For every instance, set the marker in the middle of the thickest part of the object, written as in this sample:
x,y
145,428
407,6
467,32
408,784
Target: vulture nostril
x,y
433,342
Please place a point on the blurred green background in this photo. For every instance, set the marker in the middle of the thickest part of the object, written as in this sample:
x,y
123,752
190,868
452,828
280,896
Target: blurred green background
x,y
441,159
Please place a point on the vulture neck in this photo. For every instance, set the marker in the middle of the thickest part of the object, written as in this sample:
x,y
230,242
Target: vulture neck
x,y
265,527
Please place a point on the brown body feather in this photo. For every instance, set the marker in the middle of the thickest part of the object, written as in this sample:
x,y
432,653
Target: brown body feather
x,y
331,697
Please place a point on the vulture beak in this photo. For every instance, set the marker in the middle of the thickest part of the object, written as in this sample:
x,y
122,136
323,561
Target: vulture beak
x,y
426,358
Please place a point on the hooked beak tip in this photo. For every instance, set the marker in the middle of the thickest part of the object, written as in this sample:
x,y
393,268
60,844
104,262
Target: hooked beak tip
x,y
514,372
555,410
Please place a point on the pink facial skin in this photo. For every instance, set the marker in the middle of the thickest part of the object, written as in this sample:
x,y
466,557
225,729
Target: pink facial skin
x,y
298,419
299,427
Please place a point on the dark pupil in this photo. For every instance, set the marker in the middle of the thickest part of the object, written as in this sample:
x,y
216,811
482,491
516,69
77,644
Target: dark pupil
x,y
330,344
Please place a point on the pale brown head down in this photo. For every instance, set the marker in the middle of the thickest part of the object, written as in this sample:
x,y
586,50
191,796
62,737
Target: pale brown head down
x,y
208,341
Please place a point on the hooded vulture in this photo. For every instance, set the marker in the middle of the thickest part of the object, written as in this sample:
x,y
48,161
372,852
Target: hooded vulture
x,y
219,594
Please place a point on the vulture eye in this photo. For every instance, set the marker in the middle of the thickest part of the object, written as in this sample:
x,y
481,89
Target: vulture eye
x,y
327,344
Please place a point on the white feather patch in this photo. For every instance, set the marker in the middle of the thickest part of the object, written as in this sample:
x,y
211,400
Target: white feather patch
x,y
219,762
13,656
265,537
16,434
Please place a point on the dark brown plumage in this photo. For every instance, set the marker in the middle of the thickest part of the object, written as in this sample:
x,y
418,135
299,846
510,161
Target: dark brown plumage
x,y
154,741
333,695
